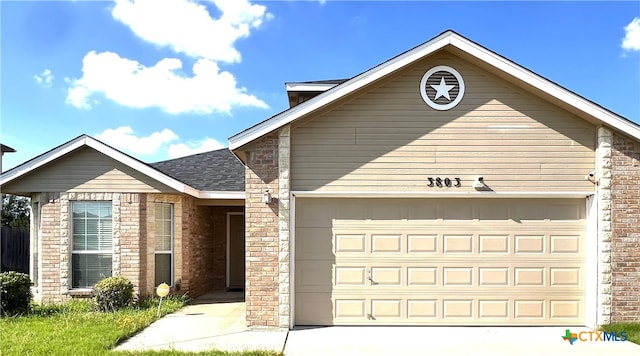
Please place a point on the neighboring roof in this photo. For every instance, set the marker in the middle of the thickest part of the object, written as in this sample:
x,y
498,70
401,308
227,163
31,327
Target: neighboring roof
x,y
316,85
7,149
216,170
447,38
144,168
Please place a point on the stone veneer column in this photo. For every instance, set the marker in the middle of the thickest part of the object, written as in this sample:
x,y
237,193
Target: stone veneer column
x,y
284,302
65,242
604,225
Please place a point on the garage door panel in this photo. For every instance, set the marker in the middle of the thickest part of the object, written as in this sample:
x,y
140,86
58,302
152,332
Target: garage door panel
x,y
314,309
350,308
458,244
313,244
528,244
564,309
493,244
457,276
386,276
350,276
350,243
314,276
422,309
386,308
422,276
493,276
565,244
421,244
386,243
457,308
488,308
494,268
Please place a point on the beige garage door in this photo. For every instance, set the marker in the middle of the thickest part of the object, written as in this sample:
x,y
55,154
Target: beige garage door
x,y
439,261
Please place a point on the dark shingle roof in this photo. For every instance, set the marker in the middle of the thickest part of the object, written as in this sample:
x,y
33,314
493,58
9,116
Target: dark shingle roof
x,y
216,170
7,149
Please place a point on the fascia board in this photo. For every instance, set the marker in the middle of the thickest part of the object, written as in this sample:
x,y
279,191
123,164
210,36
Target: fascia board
x,y
538,82
212,194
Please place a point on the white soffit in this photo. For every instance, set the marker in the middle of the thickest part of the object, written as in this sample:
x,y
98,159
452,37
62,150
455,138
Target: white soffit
x,y
447,38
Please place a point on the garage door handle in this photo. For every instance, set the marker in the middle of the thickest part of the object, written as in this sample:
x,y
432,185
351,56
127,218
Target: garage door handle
x,y
372,281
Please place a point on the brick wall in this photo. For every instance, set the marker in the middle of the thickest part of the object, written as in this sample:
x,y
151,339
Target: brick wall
x,y
199,242
55,241
261,237
625,255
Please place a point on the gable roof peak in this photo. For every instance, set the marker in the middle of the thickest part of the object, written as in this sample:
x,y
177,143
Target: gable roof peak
x,y
444,39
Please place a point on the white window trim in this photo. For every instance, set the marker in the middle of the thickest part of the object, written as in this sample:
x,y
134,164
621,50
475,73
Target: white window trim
x,y
86,252
171,252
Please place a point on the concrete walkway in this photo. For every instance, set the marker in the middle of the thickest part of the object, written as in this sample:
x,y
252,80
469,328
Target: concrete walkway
x,y
213,321
217,321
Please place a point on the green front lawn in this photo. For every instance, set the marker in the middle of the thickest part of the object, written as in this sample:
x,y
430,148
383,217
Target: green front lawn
x,y
632,330
73,329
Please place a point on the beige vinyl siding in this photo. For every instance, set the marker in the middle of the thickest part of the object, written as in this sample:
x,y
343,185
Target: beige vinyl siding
x,y
386,137
86,170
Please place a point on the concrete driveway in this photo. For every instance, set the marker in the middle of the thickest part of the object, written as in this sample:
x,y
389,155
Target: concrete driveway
x,y
496,341
217,321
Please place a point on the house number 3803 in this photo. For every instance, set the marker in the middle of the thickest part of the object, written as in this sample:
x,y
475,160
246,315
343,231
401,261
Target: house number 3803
x,y
444,182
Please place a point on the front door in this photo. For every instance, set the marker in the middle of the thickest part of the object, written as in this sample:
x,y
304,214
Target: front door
x,y
235,250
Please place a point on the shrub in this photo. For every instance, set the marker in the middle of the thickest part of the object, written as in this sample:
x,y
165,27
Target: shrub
x,y
113,293
15,293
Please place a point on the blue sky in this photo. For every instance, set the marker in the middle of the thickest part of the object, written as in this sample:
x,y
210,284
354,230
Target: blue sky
x,y
162,79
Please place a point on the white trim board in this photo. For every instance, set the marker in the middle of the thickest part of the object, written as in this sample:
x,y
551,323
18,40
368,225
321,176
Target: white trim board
x,y
426,195
448,38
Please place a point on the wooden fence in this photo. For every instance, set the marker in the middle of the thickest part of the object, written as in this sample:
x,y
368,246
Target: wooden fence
x,y
14,248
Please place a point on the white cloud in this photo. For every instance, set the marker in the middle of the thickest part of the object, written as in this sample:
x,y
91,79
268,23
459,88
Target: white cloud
x,y
45,79
631,40
124,138
132,84
190,148
187,27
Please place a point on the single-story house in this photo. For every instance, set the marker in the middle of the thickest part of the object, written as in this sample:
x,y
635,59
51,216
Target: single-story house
x,y
445,186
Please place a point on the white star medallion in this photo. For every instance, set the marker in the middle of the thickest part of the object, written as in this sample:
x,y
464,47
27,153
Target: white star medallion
x,y
442,87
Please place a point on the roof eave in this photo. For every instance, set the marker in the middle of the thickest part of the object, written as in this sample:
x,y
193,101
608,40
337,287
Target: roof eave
x,y
220,194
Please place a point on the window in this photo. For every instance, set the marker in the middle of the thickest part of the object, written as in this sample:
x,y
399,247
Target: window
x,y
92,243
164,244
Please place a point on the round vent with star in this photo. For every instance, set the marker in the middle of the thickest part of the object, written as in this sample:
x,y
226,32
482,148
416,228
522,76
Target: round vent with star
x,y
442,87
